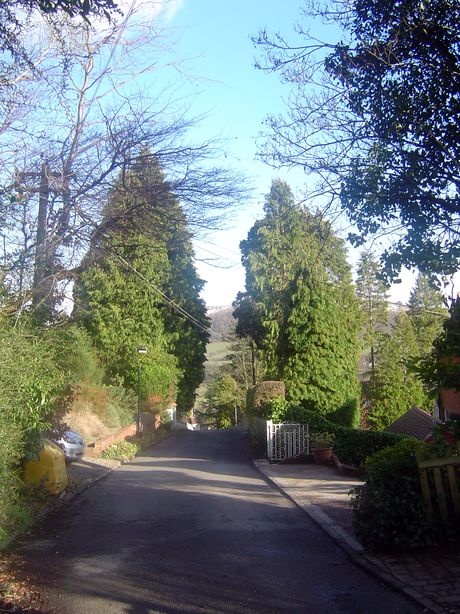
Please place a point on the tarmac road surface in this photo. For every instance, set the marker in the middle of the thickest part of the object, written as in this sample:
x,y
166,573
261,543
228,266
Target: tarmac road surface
x,y
190,527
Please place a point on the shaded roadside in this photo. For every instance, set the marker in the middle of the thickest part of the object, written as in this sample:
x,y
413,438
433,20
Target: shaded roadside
x,y
430,577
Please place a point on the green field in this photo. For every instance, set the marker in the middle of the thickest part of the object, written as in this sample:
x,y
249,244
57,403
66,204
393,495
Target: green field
x,y
215,356
217,350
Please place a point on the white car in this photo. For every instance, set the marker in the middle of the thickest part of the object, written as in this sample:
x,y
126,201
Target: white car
x,y
73,445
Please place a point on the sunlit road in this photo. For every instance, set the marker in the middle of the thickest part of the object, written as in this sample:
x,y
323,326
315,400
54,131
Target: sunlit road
x,y
193,527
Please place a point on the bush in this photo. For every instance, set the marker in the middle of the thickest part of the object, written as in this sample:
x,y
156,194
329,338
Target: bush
x,y
122,450
264,393
347,415
389,509
352,446
11,452
76,355
122,406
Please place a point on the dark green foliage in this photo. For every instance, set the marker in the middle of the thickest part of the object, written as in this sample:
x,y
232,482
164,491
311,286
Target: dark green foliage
x,y
395,387
384,130
347,414
121,313
140,288
441,368
352,446
299,307
427,312
448,342
189,335
389,509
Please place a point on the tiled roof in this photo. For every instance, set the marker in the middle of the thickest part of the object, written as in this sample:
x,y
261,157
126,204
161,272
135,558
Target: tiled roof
x,y
415,422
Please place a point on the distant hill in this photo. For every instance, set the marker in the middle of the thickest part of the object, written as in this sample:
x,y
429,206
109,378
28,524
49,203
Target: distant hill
x,y
222,323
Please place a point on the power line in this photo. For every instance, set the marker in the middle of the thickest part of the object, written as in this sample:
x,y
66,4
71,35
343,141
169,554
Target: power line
x,y
169,301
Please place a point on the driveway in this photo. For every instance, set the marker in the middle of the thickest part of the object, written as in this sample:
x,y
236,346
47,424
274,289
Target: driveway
x,y
191,527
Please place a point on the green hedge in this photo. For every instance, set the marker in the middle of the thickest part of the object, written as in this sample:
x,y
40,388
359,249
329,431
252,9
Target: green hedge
x,y
352,446
389,509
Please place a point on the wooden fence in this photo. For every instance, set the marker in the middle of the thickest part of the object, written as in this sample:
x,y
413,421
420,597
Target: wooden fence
x,y
439,481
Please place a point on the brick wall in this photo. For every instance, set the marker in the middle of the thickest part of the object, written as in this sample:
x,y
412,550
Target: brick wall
x,y
95,449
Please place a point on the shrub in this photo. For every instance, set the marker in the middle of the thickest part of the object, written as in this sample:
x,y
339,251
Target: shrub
x,y
76,355
263,393
11,452
347,415
121,407
352,446
389,509
122,450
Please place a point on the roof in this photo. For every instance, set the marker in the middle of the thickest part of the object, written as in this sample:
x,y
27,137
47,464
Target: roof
x,y
415,422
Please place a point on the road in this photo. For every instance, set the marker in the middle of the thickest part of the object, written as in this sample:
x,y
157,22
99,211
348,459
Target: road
x,y
189,527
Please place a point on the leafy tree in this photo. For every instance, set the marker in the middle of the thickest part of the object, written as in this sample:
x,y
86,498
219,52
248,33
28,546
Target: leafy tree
x,y
223,400
440,368
372,294
427,311
303,311
376,117
395,387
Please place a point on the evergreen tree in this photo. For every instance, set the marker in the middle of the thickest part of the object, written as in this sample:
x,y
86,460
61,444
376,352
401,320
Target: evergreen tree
x,y
189,335
427,312
302,309
140,284
116,303
395,387
372,294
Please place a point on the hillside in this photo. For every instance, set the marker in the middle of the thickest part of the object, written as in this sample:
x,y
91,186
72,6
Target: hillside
x,y
222,323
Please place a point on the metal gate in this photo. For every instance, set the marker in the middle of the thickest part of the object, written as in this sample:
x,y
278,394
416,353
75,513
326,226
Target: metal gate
x,y
287,440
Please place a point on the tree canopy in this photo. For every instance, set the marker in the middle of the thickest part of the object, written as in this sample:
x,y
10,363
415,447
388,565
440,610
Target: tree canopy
x,y
139,287
376,119
299,306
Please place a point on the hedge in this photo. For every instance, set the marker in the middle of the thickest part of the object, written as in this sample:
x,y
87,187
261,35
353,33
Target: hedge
x,y
352,446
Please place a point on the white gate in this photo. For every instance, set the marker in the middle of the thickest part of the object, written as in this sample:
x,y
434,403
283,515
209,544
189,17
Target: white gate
x,y
287,440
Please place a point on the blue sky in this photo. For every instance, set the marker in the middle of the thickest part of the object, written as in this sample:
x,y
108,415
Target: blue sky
x,y
213,40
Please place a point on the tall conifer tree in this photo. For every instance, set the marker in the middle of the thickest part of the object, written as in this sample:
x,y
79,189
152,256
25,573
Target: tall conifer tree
x,y
304,310
140,284
396,388
372,295
427,311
